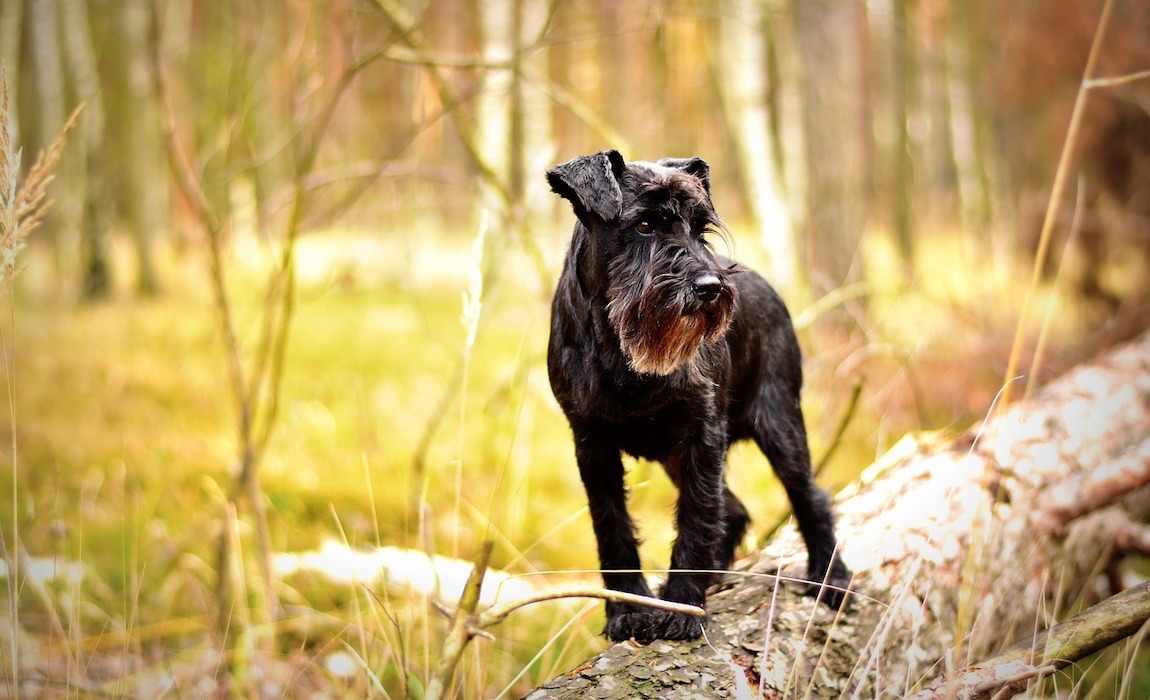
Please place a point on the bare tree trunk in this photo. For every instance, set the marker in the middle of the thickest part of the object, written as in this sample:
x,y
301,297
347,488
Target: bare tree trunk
x,y
743,97
144,174
970,119
93,224
11,23
934,70
49,113
960,549
902,182
827,33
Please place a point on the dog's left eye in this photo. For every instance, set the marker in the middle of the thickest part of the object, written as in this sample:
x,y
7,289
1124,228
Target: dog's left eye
x,y
645,227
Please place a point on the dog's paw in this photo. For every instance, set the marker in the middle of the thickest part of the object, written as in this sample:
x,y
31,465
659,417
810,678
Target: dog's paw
x,y
649,625
833,589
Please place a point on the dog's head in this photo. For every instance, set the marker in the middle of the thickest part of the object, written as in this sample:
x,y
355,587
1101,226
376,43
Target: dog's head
x,y
641,246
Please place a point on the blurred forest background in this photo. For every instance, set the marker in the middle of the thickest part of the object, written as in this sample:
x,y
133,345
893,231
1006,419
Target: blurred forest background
x,y
237,336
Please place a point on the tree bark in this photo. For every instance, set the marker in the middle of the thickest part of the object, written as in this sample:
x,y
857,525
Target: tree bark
x,y
960,548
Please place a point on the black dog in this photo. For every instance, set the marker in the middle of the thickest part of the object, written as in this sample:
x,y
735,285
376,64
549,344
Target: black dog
x,y
661,349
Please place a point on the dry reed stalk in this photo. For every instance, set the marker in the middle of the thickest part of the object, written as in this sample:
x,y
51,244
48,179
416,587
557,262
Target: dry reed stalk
x,y
23,205
22,208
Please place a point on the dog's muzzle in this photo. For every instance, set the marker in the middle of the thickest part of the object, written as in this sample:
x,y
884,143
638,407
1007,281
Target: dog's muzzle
x,y
707,289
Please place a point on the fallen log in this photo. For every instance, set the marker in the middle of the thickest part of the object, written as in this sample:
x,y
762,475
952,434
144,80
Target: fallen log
x,y
1010,671
960,548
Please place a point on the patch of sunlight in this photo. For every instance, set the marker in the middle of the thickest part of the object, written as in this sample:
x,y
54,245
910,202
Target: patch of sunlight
x,y
946,509
363,256
403,570
41,570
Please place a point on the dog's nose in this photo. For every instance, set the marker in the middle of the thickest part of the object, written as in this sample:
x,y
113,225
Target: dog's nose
x,y
708,288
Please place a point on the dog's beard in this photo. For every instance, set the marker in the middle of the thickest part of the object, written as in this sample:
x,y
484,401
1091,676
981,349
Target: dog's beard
x,y
659,324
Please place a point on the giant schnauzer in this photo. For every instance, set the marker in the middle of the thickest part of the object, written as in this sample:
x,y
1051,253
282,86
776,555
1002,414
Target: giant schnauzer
x,y
664,350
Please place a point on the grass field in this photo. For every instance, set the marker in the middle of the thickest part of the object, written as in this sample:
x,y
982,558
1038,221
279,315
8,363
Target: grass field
x,y
126,448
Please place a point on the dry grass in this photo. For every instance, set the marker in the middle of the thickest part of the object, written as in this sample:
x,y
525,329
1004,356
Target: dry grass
x,y
127,444
23,204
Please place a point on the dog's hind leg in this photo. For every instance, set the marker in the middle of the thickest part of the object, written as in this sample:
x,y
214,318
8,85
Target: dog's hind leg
x,y
735,523
781,435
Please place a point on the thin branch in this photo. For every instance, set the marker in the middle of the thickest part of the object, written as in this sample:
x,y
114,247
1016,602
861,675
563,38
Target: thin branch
x,y
577,107
462,630
426,58
190,186
498,613
408,32
1116,80
279,332
429,60
467,623
852,407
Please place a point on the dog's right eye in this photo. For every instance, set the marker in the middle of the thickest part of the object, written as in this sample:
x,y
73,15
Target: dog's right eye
x,y
645,227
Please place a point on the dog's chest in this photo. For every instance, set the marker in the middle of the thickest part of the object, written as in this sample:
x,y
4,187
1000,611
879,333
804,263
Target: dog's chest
x,y
643,418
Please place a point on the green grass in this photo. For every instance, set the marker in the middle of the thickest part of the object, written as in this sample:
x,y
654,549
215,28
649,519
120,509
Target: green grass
x,y
126,429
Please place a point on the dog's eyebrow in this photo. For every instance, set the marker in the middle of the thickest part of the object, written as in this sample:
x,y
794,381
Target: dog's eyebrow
x,y
681,193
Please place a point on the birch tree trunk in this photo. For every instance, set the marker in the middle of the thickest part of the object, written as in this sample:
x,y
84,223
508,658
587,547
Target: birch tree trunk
x,y
740,41
145,207
960,548
827,34
902,177
47,110
79,55
11,21
971,125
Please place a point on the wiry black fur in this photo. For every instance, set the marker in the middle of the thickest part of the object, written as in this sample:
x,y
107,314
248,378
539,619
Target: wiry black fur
x,y
665,351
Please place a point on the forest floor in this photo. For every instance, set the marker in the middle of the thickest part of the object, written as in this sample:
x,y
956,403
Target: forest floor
x,y
125,448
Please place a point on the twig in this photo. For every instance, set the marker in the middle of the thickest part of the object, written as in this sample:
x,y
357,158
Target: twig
x,y
467,623
257,388
213,224
852,407
835,297
1116,80
462,630
498,613
426,59
577,107
408,32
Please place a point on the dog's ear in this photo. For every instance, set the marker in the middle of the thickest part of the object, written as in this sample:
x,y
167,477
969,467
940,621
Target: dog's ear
x,y
591,184
692,166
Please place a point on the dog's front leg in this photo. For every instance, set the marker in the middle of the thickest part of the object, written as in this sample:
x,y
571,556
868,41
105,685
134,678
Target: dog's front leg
x,y
601,468
698,470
